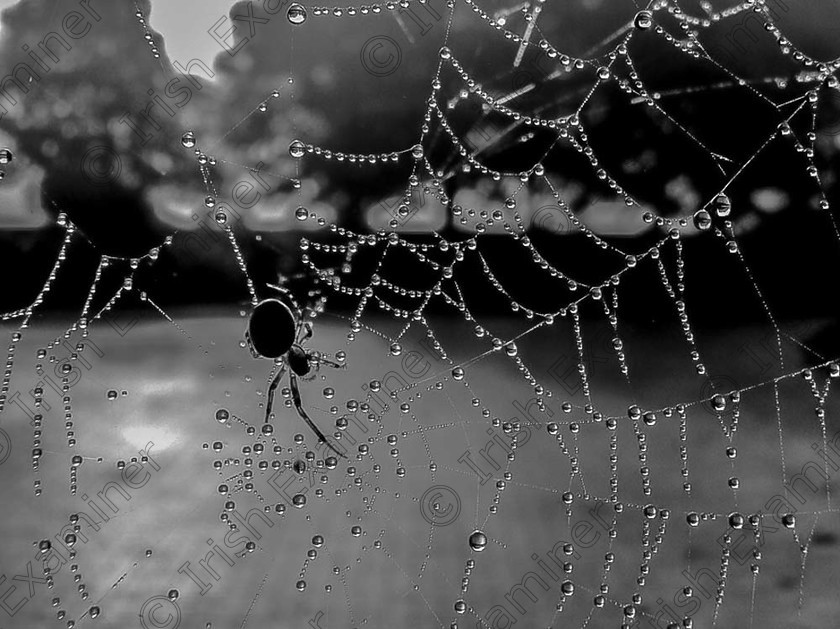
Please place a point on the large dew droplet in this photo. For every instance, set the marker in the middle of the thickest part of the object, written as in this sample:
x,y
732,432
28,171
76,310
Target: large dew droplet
x,y
722,205
702,220
188,140
296,14
643,20
478,541
297,149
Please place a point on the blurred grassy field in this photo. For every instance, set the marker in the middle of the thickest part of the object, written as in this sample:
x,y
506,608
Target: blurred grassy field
x,y
176,381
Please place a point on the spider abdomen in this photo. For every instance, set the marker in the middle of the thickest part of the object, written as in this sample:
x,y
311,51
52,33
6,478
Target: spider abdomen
x,y
271,329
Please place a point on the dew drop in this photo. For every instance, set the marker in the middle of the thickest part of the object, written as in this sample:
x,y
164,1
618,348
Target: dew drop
x,y
297,148
722,205
643,20
188,140
478,541
296,14
702,220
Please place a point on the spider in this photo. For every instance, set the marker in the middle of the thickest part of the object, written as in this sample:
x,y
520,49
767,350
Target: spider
x,y
276,330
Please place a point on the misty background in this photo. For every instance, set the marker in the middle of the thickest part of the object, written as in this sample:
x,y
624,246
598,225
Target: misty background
x,y
82,145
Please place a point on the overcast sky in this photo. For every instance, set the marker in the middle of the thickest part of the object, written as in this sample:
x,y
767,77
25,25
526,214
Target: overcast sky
x,y
186,37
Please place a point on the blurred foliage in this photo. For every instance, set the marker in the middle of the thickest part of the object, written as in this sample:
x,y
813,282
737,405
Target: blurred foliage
x,y
89,105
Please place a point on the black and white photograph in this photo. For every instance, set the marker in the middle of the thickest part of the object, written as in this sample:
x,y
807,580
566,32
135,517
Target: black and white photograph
x,y
445,314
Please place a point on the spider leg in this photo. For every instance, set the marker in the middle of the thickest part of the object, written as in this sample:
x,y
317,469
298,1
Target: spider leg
x,y
287,293
305,417
330,363
271,389
305,332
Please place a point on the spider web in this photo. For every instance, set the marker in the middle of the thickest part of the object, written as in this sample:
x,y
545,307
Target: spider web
x,y
633,480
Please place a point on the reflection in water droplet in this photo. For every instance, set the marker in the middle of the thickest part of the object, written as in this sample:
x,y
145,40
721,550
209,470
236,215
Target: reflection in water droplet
x,y
296,14
478,541
643,20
